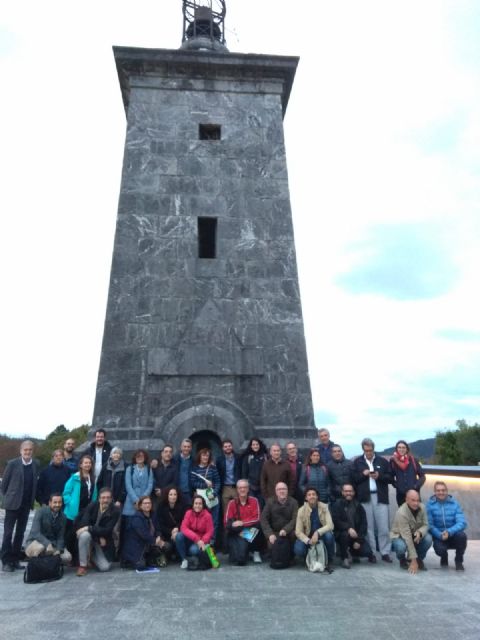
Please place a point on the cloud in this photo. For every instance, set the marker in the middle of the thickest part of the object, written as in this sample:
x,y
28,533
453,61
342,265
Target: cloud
x,y
401,261
460,335
8,42
324,418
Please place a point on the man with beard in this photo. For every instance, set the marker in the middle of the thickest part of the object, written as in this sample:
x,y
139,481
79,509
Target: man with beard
x,y
350,523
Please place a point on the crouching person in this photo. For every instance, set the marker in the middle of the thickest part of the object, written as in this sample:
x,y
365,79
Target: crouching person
x,y
196,531
47,535
314,523
141,547
242,522
95,533
410,533
351,530
278,519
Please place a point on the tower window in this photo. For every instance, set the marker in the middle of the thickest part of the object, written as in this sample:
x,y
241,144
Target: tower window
x,y
209,131
207,237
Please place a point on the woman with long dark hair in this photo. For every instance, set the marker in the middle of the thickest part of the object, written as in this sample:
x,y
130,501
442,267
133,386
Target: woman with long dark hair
x,y
195,532
138,481
315,475
253,460
406,470
170,513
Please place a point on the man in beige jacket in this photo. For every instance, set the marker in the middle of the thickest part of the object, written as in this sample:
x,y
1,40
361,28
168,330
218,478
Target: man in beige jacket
x,y
314,523
410,535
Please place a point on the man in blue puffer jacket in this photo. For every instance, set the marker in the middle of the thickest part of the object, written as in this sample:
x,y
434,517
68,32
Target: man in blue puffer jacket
x,y
447,524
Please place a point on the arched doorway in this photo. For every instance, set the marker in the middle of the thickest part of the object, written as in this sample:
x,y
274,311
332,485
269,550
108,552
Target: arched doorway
x,y
208,439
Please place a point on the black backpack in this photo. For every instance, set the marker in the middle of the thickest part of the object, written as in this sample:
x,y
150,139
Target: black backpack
x,y
281,553
43,569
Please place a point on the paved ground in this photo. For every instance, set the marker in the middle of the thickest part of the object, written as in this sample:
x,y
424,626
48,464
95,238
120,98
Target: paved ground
x,y
369,601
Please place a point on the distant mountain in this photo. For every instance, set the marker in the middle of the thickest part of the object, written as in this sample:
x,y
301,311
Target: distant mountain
x,y
423,449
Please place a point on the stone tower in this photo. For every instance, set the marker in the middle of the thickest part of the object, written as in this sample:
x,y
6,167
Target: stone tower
x,y
204,334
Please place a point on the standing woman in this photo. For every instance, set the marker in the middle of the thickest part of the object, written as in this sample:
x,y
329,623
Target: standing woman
x,y
170,514
204,475
79,492
406,470
138,482
254,457
315,475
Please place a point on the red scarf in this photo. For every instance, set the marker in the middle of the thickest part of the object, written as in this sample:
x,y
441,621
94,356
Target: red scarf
x,y
401,461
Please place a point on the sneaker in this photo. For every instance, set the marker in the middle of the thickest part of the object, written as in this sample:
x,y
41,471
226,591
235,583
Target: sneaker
x,y
459,566
386,558
329,568
372,559
444,561
8,568
346,563
403,563
81,571
257,558
184,564
147,570
421,565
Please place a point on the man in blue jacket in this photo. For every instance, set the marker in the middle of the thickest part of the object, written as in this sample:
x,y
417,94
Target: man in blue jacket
x,y
447,525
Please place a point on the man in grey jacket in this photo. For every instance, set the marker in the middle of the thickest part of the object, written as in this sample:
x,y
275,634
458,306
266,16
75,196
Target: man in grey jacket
x,y
409,533
19,485
47,535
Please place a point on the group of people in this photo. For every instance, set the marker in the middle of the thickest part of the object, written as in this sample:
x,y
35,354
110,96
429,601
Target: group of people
x,y
98,509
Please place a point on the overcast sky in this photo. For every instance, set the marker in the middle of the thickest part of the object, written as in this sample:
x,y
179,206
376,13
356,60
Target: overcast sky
x,y
383,147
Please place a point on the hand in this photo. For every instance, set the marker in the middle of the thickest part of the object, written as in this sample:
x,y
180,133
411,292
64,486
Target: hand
x,y
174,533
366,472
103,542
118,504
314,538
352,533
209,484
158,492
272,538
413,567
49,549
374,475
56,552
159,542
445,535
356,545
81,530
237,523
417,537
154,464
282,533
201,545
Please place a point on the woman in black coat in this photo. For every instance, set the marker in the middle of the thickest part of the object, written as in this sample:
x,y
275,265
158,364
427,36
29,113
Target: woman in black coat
x,y
141,544
170,514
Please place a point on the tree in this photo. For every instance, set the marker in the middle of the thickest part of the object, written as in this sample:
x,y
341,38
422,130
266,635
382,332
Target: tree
x,y
460,446
55,440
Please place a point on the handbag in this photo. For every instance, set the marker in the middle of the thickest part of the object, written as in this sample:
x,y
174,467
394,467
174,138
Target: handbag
x,y
43,569
207,494
316,560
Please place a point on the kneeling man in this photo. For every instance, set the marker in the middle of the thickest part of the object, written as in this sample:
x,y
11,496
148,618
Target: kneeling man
x,y
410,533
314,523
95,533
47,535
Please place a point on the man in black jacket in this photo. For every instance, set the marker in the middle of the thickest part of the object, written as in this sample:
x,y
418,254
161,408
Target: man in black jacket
x,y
53,478
95,533
350,523
340,472
165,472
100,450
19,485
371,476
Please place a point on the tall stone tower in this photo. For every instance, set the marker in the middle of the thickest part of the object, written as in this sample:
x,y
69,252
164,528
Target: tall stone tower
x,y
204,334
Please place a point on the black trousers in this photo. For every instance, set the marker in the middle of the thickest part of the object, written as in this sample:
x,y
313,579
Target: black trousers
x,y
15,520
458,542
345,543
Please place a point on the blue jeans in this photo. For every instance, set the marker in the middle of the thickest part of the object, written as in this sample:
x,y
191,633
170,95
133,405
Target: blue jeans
x,y
185,546
300,549
400,548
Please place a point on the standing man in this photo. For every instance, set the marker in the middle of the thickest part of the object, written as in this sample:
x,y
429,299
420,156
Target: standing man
x,y
410,533
325,445
447,525
165,472
229,467
19,486
184,462
295,465
275,470
350,521
52,479
371,476
99,449
69,458
340,472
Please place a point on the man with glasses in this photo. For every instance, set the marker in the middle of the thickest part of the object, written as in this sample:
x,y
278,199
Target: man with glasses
x,y
279,516
242,523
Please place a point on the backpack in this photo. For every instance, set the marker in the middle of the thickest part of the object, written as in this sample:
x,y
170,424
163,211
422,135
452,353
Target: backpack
x,y
281,553
43,569
237,550
199,562
317,558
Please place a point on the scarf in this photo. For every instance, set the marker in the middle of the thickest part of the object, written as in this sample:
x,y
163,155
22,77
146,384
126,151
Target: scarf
x,y
401,461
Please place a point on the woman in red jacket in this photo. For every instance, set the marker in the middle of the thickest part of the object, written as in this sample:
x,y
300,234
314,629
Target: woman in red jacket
x,y
196,531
